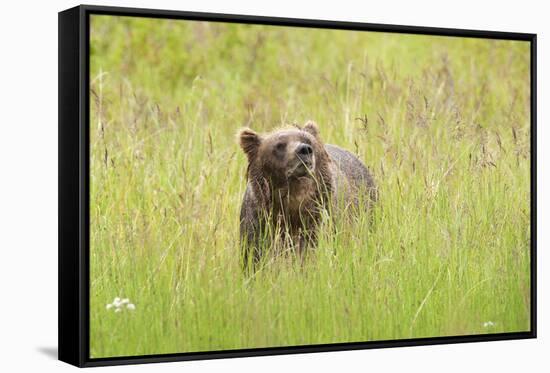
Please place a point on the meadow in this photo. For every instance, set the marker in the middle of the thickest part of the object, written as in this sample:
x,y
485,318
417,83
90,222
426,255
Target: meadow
x,y
442,122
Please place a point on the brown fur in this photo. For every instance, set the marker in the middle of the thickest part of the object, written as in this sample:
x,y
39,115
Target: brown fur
x,y
291,178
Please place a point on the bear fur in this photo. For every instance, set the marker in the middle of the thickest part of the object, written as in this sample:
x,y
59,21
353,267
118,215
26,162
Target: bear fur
x,y
292,179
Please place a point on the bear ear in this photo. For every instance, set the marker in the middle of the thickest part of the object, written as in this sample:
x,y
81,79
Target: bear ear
x,y
250,142
312,128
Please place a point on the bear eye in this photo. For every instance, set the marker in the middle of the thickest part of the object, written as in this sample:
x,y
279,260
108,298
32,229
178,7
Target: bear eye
x,y
280,146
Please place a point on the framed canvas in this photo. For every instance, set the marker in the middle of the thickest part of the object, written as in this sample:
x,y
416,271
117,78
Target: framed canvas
x,y
235,186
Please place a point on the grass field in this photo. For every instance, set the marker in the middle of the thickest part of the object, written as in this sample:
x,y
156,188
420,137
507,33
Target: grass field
x,y
442,122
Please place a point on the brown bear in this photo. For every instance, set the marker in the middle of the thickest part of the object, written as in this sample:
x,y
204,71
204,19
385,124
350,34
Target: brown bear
x,y
292,178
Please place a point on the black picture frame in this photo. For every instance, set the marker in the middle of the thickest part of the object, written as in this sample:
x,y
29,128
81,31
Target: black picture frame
x,y
74,108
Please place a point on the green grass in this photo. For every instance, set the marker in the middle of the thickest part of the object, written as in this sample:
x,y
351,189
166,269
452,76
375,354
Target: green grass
x,y
443,123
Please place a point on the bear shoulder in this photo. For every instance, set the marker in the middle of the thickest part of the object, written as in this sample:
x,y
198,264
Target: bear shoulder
x,y
348,166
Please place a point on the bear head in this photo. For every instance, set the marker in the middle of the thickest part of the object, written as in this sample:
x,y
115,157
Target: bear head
x,y
286,156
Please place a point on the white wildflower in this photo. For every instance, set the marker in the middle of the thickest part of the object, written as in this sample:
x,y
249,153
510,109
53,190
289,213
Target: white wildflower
x,y
119,304
488,324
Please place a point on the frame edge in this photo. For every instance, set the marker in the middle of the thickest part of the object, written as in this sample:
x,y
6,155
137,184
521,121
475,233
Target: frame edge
x,y
304,22
69,246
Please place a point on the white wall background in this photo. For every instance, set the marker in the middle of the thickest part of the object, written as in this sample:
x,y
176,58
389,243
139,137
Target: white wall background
x,y
28,184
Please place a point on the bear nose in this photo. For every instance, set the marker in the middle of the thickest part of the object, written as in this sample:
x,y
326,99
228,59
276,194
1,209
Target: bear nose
x,y
304,149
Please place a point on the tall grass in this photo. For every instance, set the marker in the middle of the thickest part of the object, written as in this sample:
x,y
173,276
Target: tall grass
x,y
442,122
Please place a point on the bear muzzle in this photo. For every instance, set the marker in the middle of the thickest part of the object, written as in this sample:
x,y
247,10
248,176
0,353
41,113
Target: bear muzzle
x,y
303,162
